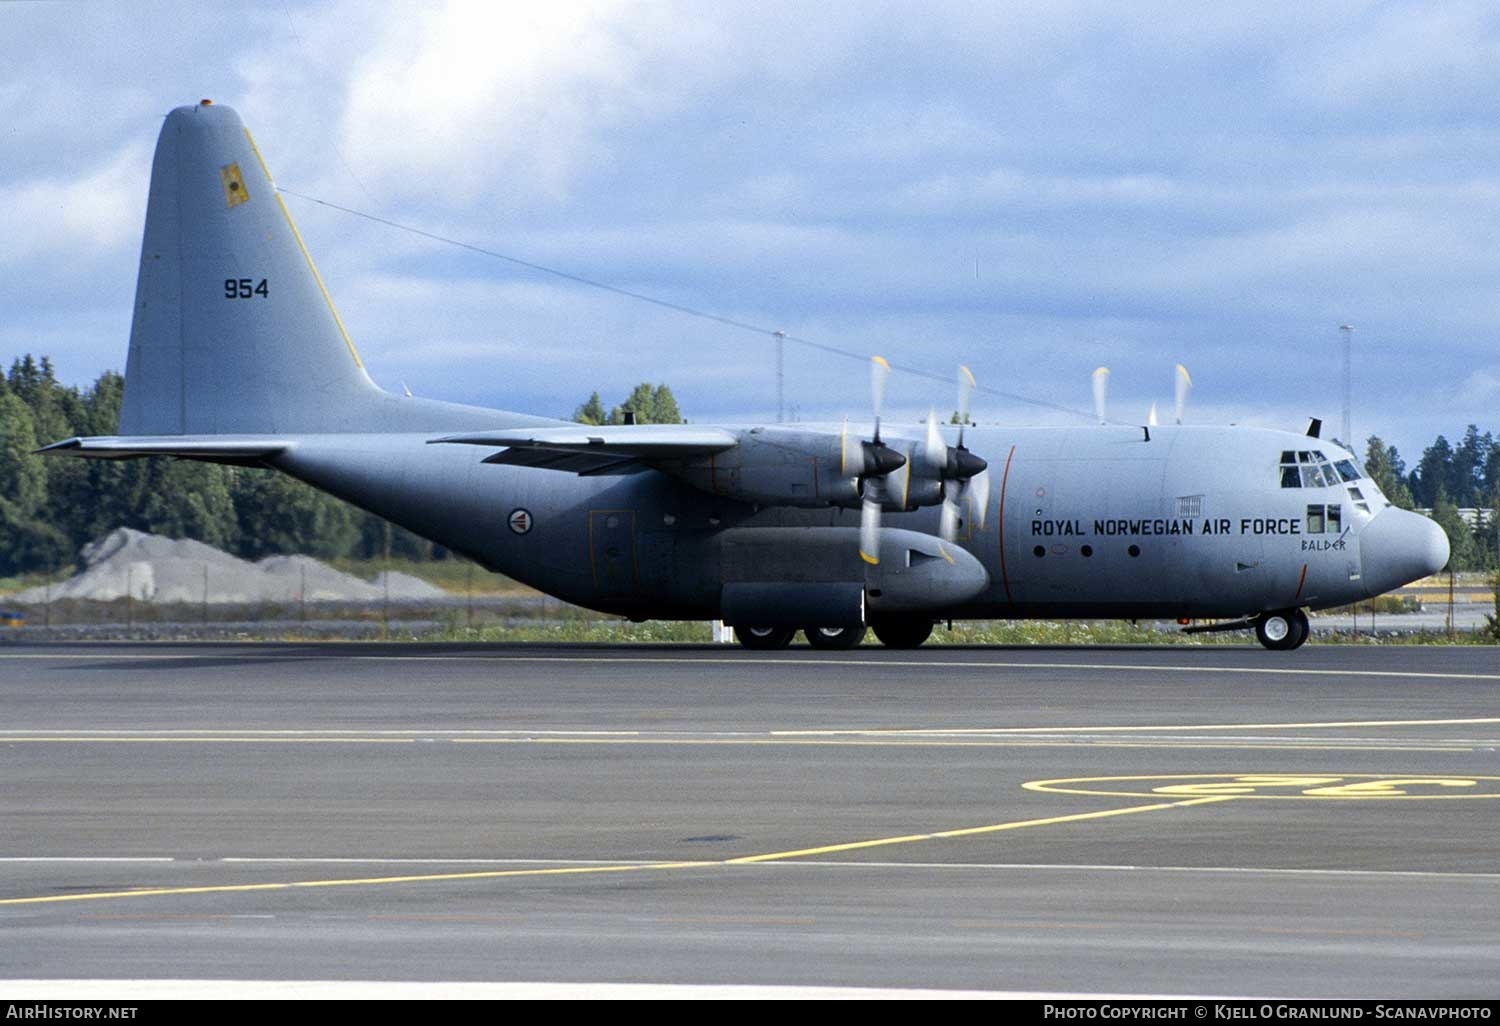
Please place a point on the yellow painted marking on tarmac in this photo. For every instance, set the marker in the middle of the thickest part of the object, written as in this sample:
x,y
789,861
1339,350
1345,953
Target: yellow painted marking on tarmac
x,y
339,321
1308,786
780,856
96,739
1020,824
356,882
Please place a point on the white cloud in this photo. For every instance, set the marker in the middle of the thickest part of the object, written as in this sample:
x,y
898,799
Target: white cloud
x,y
472,99
1407,57
1481,388
69,219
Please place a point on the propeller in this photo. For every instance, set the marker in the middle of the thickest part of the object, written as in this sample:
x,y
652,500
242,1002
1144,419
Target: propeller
x,y
875,461
963,473
1101,385
1184,385
1151,415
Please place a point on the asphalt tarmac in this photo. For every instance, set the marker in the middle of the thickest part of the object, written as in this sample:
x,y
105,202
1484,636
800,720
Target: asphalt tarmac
x,y
1145,821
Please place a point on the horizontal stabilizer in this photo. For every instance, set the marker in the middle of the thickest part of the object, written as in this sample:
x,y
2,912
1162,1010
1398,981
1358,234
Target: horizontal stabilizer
x,y
645,441
213,448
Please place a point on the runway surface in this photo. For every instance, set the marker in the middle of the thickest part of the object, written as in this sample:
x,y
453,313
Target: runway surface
x,y
1217,821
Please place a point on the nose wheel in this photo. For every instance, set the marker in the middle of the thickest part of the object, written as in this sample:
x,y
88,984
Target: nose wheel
x,y
1282,630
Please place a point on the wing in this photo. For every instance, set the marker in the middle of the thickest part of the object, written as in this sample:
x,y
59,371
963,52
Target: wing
x,y
622,442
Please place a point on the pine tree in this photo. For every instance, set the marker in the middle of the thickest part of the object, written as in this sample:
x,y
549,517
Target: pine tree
x,y
591,412
1386,468
1463,552
27,540
651,405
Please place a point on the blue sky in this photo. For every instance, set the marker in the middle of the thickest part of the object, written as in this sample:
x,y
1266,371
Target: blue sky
x,y
1032,189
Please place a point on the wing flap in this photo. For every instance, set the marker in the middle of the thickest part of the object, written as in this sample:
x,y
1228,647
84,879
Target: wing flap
x,y
644,441
580,463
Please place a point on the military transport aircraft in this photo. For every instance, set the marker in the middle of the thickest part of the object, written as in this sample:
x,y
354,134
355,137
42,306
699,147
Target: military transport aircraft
x,y
238,356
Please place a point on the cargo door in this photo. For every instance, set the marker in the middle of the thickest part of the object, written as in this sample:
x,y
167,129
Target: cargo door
x,y
612,552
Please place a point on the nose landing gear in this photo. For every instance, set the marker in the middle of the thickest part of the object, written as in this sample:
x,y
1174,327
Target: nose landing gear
x,y
1281,629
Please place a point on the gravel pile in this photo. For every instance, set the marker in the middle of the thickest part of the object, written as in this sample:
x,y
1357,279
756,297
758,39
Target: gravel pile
x,y
152,569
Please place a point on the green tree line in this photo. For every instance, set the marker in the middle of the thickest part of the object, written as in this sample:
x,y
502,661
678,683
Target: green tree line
x,y
651,404
51,507
1446,479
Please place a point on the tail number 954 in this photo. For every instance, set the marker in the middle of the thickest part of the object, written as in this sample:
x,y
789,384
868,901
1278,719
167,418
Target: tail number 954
x,y
245,288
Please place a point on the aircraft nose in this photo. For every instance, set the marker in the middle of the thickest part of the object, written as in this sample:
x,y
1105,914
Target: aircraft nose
x,y
1399,547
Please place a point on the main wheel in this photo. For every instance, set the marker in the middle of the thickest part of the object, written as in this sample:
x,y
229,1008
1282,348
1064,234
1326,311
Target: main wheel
x,y
761,638
834,637
1301,626
1282,629
907,632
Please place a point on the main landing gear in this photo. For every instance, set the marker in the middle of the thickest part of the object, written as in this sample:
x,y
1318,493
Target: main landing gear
x,y
1281,629
764,638
834,637
895,632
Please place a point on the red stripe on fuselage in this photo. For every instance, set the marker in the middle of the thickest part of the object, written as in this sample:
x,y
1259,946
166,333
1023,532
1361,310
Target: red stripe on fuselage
x,y
1004,579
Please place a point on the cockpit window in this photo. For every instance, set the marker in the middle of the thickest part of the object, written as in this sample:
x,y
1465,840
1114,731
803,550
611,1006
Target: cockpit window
x,y
1348,471
1311,469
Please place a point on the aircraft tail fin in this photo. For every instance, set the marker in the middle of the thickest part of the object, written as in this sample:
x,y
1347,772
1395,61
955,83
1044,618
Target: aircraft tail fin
x,y
234,332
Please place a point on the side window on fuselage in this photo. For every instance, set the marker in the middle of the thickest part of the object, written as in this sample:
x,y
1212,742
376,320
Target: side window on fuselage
x,y
1321,518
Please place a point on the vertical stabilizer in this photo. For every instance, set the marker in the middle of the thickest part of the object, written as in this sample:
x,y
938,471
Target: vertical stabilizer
x,y
233,329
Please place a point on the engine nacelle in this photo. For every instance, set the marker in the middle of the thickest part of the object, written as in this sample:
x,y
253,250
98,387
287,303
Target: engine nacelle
x,y
780,467
774,466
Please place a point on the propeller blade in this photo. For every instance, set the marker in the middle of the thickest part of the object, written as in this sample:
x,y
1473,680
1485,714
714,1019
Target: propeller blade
x,y
978,490
948,522
869,530
844,449
1183,386
1151,415
879,372
966,386
1101,385
936,450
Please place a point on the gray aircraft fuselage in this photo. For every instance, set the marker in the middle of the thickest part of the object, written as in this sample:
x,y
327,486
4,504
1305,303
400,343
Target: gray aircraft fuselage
x,y
1083,522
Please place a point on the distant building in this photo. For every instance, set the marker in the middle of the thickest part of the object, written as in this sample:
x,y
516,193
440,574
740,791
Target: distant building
x,y
1475,518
